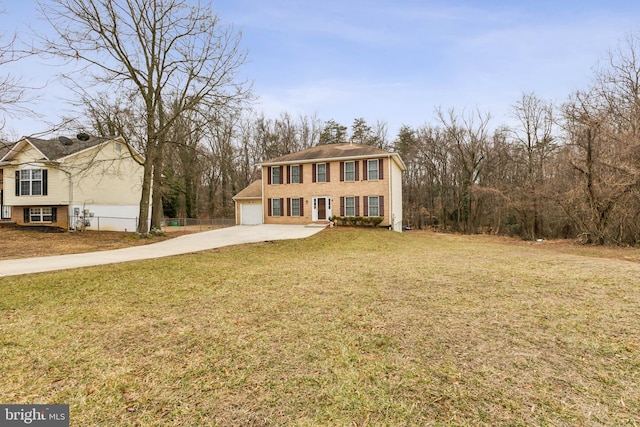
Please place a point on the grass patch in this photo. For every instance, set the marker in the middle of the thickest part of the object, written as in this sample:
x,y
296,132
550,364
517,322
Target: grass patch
x,y
348,327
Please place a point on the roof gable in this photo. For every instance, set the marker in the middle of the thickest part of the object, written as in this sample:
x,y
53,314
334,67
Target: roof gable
x,y
58,148
5,148
252,191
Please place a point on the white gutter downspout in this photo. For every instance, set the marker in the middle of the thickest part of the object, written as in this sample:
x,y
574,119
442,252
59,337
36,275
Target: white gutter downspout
x,y
263,188
390,196
70,206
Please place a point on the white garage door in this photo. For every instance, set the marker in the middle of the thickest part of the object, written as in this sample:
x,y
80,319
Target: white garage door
x,y
251,213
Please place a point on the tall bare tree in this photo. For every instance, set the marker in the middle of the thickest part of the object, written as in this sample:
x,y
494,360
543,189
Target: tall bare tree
x,y
534,141
13,92
160,49
469,139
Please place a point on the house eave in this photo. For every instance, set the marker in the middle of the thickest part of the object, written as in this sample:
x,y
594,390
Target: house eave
x,y
395,156
246,198
17,147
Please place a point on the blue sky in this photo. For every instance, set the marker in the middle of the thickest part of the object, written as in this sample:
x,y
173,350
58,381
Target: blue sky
x,y
395,61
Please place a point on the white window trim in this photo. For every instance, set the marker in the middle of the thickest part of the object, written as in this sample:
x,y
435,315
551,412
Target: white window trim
x,y
295,200
273,207
369,162
353,171
291,176
273,181
324,179
346,198
30,180
377,205
40,214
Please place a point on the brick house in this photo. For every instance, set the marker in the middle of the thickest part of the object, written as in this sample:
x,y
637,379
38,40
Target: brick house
x,y
313,185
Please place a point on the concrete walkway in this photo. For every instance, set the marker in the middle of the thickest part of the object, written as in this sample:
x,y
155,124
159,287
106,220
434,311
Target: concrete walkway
x,y
180,245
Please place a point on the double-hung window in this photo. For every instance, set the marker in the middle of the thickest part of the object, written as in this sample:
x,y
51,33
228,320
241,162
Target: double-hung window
x,y
275,175
374,206
349,206
295,207
349,171
31,182
276,209
321,172
372,170
295,174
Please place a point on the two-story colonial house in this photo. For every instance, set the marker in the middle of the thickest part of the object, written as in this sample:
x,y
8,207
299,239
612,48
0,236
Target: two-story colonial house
x,y
71,182
313,185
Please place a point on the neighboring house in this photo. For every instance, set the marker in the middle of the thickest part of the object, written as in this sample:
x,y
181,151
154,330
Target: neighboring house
x,y
84,182
315,184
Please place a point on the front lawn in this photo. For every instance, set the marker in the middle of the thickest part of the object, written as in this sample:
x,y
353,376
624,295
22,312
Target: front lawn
x,y
350,327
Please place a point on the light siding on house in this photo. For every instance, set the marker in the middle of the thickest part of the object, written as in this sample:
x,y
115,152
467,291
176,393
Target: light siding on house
x,y
105,176
103,179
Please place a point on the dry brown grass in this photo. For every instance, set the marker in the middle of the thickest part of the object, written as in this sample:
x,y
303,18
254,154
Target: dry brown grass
x,y
347,328
28,242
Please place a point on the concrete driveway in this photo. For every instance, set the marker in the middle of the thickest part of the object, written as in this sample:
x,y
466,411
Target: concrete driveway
x,y
180,245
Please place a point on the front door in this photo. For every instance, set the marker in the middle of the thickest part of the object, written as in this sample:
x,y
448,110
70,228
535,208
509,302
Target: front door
x,y
321,208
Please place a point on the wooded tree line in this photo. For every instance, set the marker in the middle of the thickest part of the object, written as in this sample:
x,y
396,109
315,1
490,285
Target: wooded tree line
x,y
164,75
568,170
571,170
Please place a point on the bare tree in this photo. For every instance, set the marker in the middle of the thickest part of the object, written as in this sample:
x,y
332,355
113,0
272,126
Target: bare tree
x,y
603,182
14,94
617,84
469,138
535,143
160,49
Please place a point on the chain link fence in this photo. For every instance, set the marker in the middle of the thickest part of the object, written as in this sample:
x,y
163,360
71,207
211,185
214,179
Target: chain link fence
x,y
107,223
195,224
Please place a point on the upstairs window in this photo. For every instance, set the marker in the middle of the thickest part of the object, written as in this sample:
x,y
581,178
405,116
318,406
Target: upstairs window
x,y
321,174
275,176
295,174
31,182
350,171
372,170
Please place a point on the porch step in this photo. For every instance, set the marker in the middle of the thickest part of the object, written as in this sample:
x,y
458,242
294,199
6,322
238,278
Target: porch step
x,y
317,225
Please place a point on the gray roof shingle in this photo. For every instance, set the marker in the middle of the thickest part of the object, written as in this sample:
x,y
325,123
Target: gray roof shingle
x,y
53,149
330,151
4,148
252,191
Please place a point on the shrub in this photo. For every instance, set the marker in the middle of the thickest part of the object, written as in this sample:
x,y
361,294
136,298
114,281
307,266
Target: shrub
x,y
358,221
